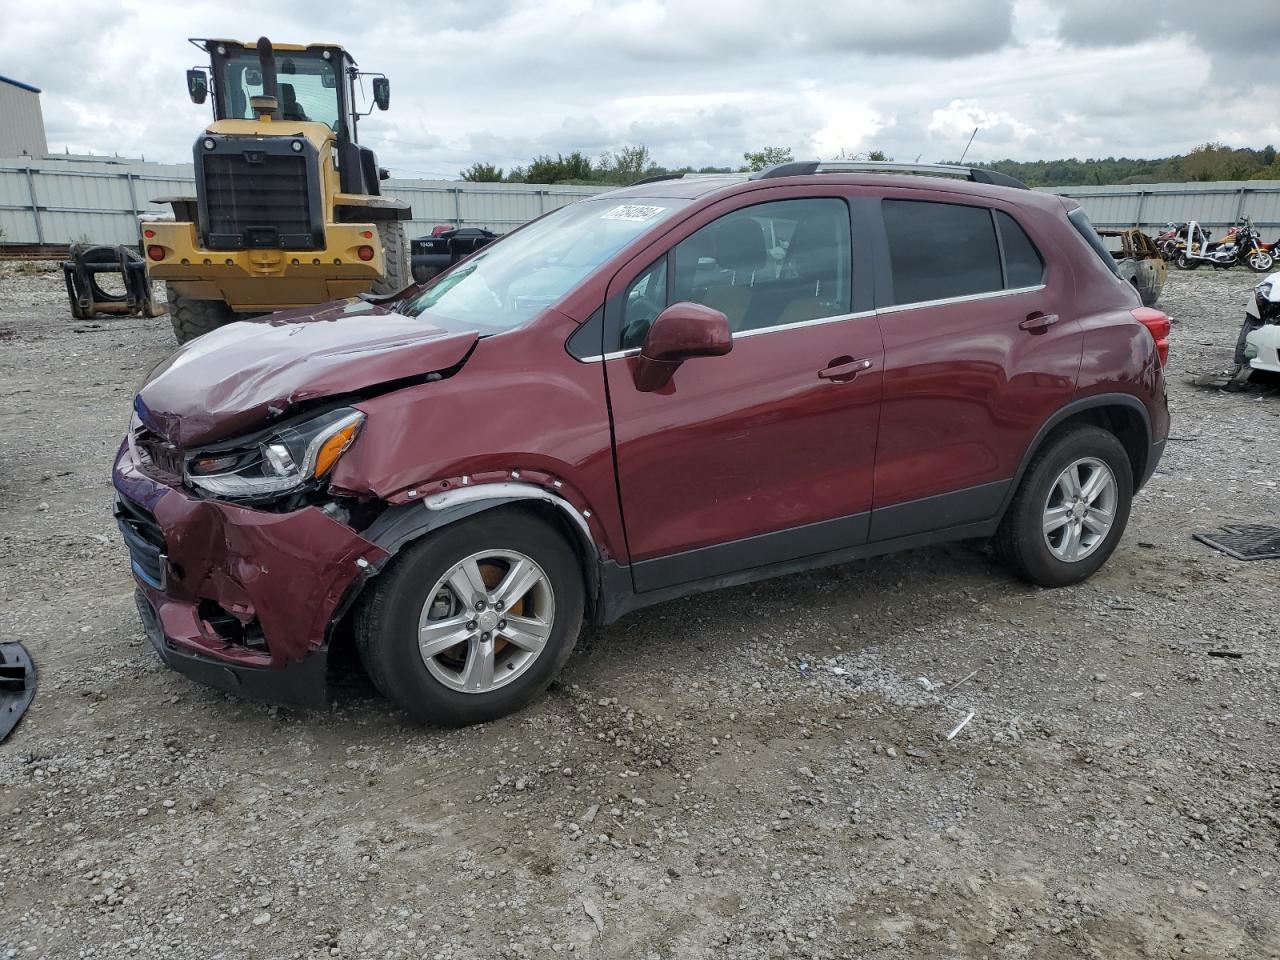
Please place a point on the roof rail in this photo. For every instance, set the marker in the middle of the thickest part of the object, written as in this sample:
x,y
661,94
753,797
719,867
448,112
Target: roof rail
x,y
677,176
658,179
803,168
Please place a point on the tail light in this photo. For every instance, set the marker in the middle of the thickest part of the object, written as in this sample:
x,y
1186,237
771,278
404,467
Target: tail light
x,y
365,253
1158,326
155,252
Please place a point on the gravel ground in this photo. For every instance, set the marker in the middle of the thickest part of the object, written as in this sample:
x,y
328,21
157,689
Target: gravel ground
x,y
761,772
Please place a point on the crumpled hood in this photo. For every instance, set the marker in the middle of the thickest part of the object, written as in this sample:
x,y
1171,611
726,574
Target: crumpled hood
x,y
242,376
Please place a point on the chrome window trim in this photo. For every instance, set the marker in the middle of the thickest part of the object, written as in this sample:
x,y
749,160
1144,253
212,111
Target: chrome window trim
x,y
967,298
816,321
860,315
615,355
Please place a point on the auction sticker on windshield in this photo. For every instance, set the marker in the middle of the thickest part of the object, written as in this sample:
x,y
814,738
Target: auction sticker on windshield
x,y
635,212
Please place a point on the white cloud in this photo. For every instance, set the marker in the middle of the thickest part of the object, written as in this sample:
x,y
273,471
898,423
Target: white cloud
x,y
698,81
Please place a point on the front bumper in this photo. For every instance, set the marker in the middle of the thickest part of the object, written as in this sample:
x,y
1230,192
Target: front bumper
x,y
241,599
1263,348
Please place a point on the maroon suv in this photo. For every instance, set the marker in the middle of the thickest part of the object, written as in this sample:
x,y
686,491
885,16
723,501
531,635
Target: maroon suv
x,y
690,383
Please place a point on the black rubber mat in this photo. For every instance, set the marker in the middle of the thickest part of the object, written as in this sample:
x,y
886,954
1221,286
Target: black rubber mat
x,y
1245,541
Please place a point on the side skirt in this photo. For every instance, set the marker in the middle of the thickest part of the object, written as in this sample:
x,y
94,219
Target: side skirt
x,y
618,597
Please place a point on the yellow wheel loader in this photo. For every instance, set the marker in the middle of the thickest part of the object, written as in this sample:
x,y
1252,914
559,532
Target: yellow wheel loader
x,y
287,211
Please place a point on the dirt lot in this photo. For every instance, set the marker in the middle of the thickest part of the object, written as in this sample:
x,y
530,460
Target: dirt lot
x,y
756,773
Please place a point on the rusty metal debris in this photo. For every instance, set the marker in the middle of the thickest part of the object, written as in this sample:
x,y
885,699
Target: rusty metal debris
x,y
1139,262
88,298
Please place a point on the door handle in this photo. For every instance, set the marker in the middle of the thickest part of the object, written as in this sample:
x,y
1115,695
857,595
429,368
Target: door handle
x,y
844,370
1038,322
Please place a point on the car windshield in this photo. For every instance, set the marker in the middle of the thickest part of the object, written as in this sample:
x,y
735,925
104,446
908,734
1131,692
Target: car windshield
x,y
514,279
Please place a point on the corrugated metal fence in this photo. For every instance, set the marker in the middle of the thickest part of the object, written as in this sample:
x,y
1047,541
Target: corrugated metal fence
x,y
57,201
1152,205
68,201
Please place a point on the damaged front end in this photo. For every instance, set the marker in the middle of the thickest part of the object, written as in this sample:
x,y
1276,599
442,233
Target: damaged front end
x,y
241,598
245,559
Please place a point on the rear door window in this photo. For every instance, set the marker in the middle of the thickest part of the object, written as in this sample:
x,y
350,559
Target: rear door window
x,y
941,250
938,251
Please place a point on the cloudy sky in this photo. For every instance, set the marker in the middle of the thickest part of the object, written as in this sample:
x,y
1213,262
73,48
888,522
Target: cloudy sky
x,y
698,81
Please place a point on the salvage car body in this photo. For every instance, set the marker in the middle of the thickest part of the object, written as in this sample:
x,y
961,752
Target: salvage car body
x,y
1138,261
727,474
1259,344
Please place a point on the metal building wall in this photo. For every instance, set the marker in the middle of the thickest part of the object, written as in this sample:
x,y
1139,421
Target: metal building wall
x,y
21,122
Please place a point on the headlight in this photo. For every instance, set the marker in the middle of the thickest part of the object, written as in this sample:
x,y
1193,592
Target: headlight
x,y
281,462
1264,290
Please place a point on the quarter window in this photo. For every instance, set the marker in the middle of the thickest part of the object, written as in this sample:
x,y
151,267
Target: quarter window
x,y
1023,265
763,266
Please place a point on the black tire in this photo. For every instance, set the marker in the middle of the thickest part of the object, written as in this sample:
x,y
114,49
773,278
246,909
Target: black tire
x,y
1183,262
395,253
1250,325
194,318
1020,541
387,619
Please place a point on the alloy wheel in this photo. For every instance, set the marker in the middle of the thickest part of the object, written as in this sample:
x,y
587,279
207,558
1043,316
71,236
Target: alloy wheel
x,y
486,621
1080,509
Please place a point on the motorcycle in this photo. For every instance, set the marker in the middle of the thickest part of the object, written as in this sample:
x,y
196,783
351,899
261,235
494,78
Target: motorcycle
x,y
1242,244
1258,346
1170,241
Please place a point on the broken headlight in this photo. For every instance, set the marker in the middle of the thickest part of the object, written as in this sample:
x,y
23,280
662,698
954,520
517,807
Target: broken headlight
x,y
279,463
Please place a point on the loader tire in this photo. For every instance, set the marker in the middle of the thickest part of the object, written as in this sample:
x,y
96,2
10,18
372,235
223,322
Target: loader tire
x,y
395,253
194,318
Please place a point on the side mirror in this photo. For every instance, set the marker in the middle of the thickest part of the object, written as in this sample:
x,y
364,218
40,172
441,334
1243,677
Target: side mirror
x,y
682,331
382,92
197,86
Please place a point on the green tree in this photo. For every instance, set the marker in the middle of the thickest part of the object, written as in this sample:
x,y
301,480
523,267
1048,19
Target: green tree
x,y
574,167
482,173
767,157
626,165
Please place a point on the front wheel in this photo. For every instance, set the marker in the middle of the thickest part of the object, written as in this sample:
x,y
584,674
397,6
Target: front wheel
x,y
473,621
395,254
1070,509
1185,262
194,318
1260,261
1242,341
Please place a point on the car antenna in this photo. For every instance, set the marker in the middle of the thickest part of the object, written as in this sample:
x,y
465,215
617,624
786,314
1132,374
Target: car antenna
x,y
969,144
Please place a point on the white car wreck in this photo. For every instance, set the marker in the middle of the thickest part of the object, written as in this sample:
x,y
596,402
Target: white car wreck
x,y
1258,347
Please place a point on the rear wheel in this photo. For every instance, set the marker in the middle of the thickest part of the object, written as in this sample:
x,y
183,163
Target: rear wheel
x,y
395,254
474,621
1185,262
194,318
1070,509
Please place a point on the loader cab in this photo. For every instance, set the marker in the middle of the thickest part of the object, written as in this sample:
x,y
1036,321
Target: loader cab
x,y
268,82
